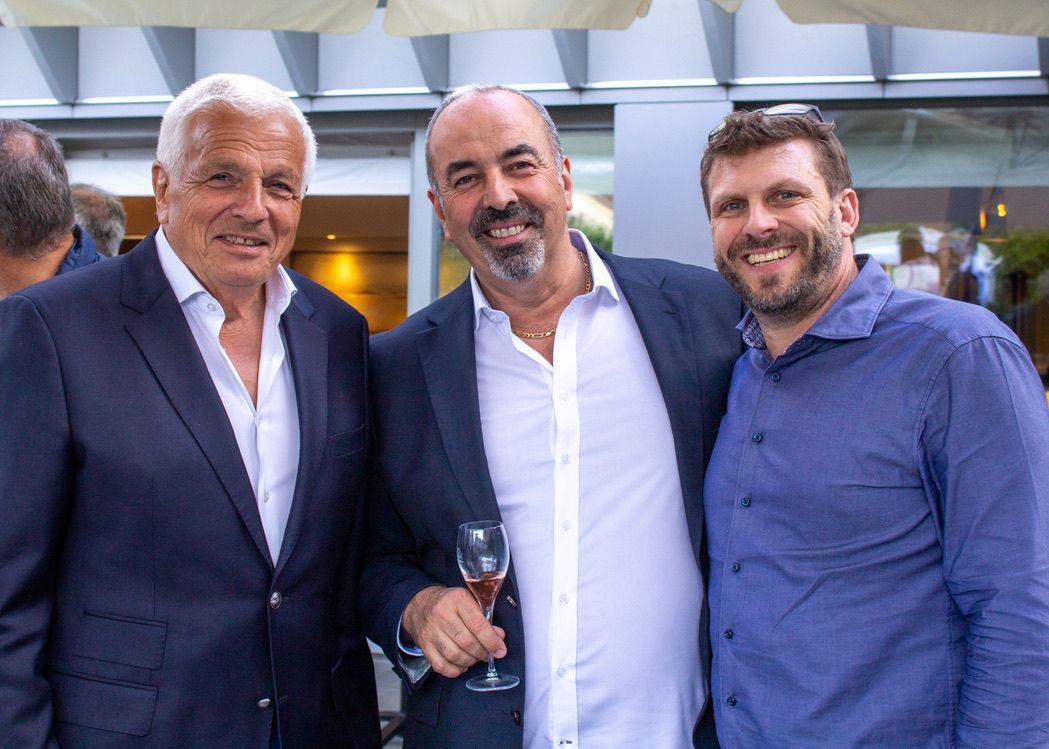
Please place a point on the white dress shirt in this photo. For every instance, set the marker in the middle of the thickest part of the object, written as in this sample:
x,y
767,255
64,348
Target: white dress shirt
x,y
267,432
583,463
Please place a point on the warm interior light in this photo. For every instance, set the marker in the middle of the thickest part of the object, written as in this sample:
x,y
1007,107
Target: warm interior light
x,y
1001,210
983,219
330,236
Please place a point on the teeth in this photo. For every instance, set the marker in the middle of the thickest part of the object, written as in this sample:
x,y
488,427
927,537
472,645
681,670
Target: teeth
x,y
243,240
766,257
507,232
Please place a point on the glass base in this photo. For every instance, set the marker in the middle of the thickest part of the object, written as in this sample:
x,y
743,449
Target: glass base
x,y
493,683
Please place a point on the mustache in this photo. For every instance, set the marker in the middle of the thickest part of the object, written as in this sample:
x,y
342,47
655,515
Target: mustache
x,y
485,218
750,244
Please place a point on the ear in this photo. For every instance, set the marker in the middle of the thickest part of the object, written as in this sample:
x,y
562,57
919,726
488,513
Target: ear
x,y
566,180
849,207
160,191
438,209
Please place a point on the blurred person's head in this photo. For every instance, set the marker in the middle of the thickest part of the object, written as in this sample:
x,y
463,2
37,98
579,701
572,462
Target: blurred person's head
x,y
101,214
36,211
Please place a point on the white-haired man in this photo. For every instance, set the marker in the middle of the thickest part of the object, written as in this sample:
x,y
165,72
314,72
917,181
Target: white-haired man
x,y
184,496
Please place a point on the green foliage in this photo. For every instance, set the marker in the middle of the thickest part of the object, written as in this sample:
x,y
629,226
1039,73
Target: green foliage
x,y
1025,251
599,236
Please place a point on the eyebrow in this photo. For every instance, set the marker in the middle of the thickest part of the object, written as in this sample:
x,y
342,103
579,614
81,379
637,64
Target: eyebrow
x,y
521,149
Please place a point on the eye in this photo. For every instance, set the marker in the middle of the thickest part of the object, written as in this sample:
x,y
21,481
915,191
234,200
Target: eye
x,y
463,181
786,195
220,177
731,206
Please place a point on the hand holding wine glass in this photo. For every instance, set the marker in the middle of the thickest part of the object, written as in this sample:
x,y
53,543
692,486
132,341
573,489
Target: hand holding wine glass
x,y
484,556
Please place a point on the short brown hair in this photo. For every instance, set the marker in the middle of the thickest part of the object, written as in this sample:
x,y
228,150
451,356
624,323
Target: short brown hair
x,y
744,131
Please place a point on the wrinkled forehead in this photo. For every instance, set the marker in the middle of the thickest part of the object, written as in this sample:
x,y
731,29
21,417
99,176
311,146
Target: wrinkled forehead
x,y
794,160
491,118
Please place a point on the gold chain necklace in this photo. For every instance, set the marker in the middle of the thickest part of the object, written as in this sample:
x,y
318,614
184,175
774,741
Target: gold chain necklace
x,y
588,285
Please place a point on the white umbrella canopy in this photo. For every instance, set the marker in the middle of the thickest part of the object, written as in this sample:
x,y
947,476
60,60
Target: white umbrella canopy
x,y
421,17
403,17
1023,17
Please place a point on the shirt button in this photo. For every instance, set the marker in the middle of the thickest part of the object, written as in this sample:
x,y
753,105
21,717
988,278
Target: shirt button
x,y
775,376
757,437
563,598
731,701
211,306
745,502
735,567
275,599
265,496
566,526
264,703
566,459
728,634
562,671
564,742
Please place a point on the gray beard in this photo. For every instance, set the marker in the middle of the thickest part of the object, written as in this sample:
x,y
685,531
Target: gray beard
x,y
515,262
790,304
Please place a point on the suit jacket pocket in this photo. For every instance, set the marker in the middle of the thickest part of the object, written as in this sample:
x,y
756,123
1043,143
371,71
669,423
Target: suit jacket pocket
x,y
122,639
346,443
103,704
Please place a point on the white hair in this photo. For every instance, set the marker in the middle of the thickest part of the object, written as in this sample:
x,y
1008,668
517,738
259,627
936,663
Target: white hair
x,y
242,93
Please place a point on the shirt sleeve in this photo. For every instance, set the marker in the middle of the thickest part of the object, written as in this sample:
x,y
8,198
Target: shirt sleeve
x,y
411,659
985,454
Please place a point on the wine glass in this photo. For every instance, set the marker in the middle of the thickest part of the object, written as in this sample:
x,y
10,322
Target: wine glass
x,y
484,555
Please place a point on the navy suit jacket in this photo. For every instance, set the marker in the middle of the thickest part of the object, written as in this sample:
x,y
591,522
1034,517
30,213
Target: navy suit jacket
x,y
433,473
139,606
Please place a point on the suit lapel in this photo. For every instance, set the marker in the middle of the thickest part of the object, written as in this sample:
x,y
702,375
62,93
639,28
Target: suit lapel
x,y
446,354
662,318
308,354
163,336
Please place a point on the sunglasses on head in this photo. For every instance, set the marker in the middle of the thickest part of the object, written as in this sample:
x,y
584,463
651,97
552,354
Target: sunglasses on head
x,y
780,110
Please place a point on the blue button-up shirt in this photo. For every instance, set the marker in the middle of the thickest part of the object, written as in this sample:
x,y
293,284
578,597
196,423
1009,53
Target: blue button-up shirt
x,y
878,514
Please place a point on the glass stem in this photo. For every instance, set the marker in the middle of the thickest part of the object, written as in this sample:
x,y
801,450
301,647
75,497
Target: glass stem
x,y
491,658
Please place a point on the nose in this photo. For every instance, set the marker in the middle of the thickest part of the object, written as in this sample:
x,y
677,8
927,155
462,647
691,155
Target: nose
x,y
760,220
498,192
251,202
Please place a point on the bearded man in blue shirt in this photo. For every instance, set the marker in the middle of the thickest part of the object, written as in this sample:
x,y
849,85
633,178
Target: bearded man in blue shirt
x,y
876,504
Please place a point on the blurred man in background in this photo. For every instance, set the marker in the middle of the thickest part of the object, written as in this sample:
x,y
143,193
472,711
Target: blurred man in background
x,y
101,214
38,237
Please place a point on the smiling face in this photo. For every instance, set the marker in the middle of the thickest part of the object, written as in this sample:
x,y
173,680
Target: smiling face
x,y
502,196
231,211
779,237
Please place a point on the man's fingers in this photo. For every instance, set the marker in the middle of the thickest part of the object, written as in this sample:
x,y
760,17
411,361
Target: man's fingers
x,y
448,625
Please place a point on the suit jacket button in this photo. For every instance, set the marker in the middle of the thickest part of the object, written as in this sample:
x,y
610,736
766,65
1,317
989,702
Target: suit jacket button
x,y
264,703
275,600
516,715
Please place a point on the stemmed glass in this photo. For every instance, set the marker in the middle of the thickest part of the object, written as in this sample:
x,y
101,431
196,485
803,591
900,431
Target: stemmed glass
x,y
484,555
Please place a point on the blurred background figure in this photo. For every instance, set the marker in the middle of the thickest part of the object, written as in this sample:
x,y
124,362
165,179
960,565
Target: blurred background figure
x,y
38,237
917,269
101,214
